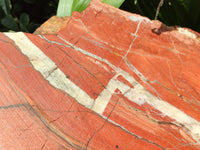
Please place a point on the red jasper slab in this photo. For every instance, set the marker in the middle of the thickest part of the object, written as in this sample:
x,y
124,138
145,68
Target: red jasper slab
x,y
100,79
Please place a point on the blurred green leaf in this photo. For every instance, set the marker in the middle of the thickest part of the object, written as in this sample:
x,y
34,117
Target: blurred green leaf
x,y
23,22
32,26
9,22
80,5
2,14
11,31
66,7
115,3
23,27
24,19
6,6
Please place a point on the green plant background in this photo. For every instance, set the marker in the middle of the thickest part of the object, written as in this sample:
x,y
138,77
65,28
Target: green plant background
x,y
185,13
27,15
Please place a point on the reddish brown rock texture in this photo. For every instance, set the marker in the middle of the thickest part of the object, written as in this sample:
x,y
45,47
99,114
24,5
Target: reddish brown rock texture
x,y
101,79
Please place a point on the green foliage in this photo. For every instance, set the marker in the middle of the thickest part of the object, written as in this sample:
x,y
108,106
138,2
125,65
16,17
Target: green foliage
x,y
9,22
115,3
25,15
185,13
66,7
5,6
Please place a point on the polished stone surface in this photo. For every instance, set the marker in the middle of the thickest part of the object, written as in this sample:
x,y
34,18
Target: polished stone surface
x,y
101,79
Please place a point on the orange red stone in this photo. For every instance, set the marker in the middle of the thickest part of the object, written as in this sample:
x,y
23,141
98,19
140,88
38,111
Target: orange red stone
x,y
102,51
